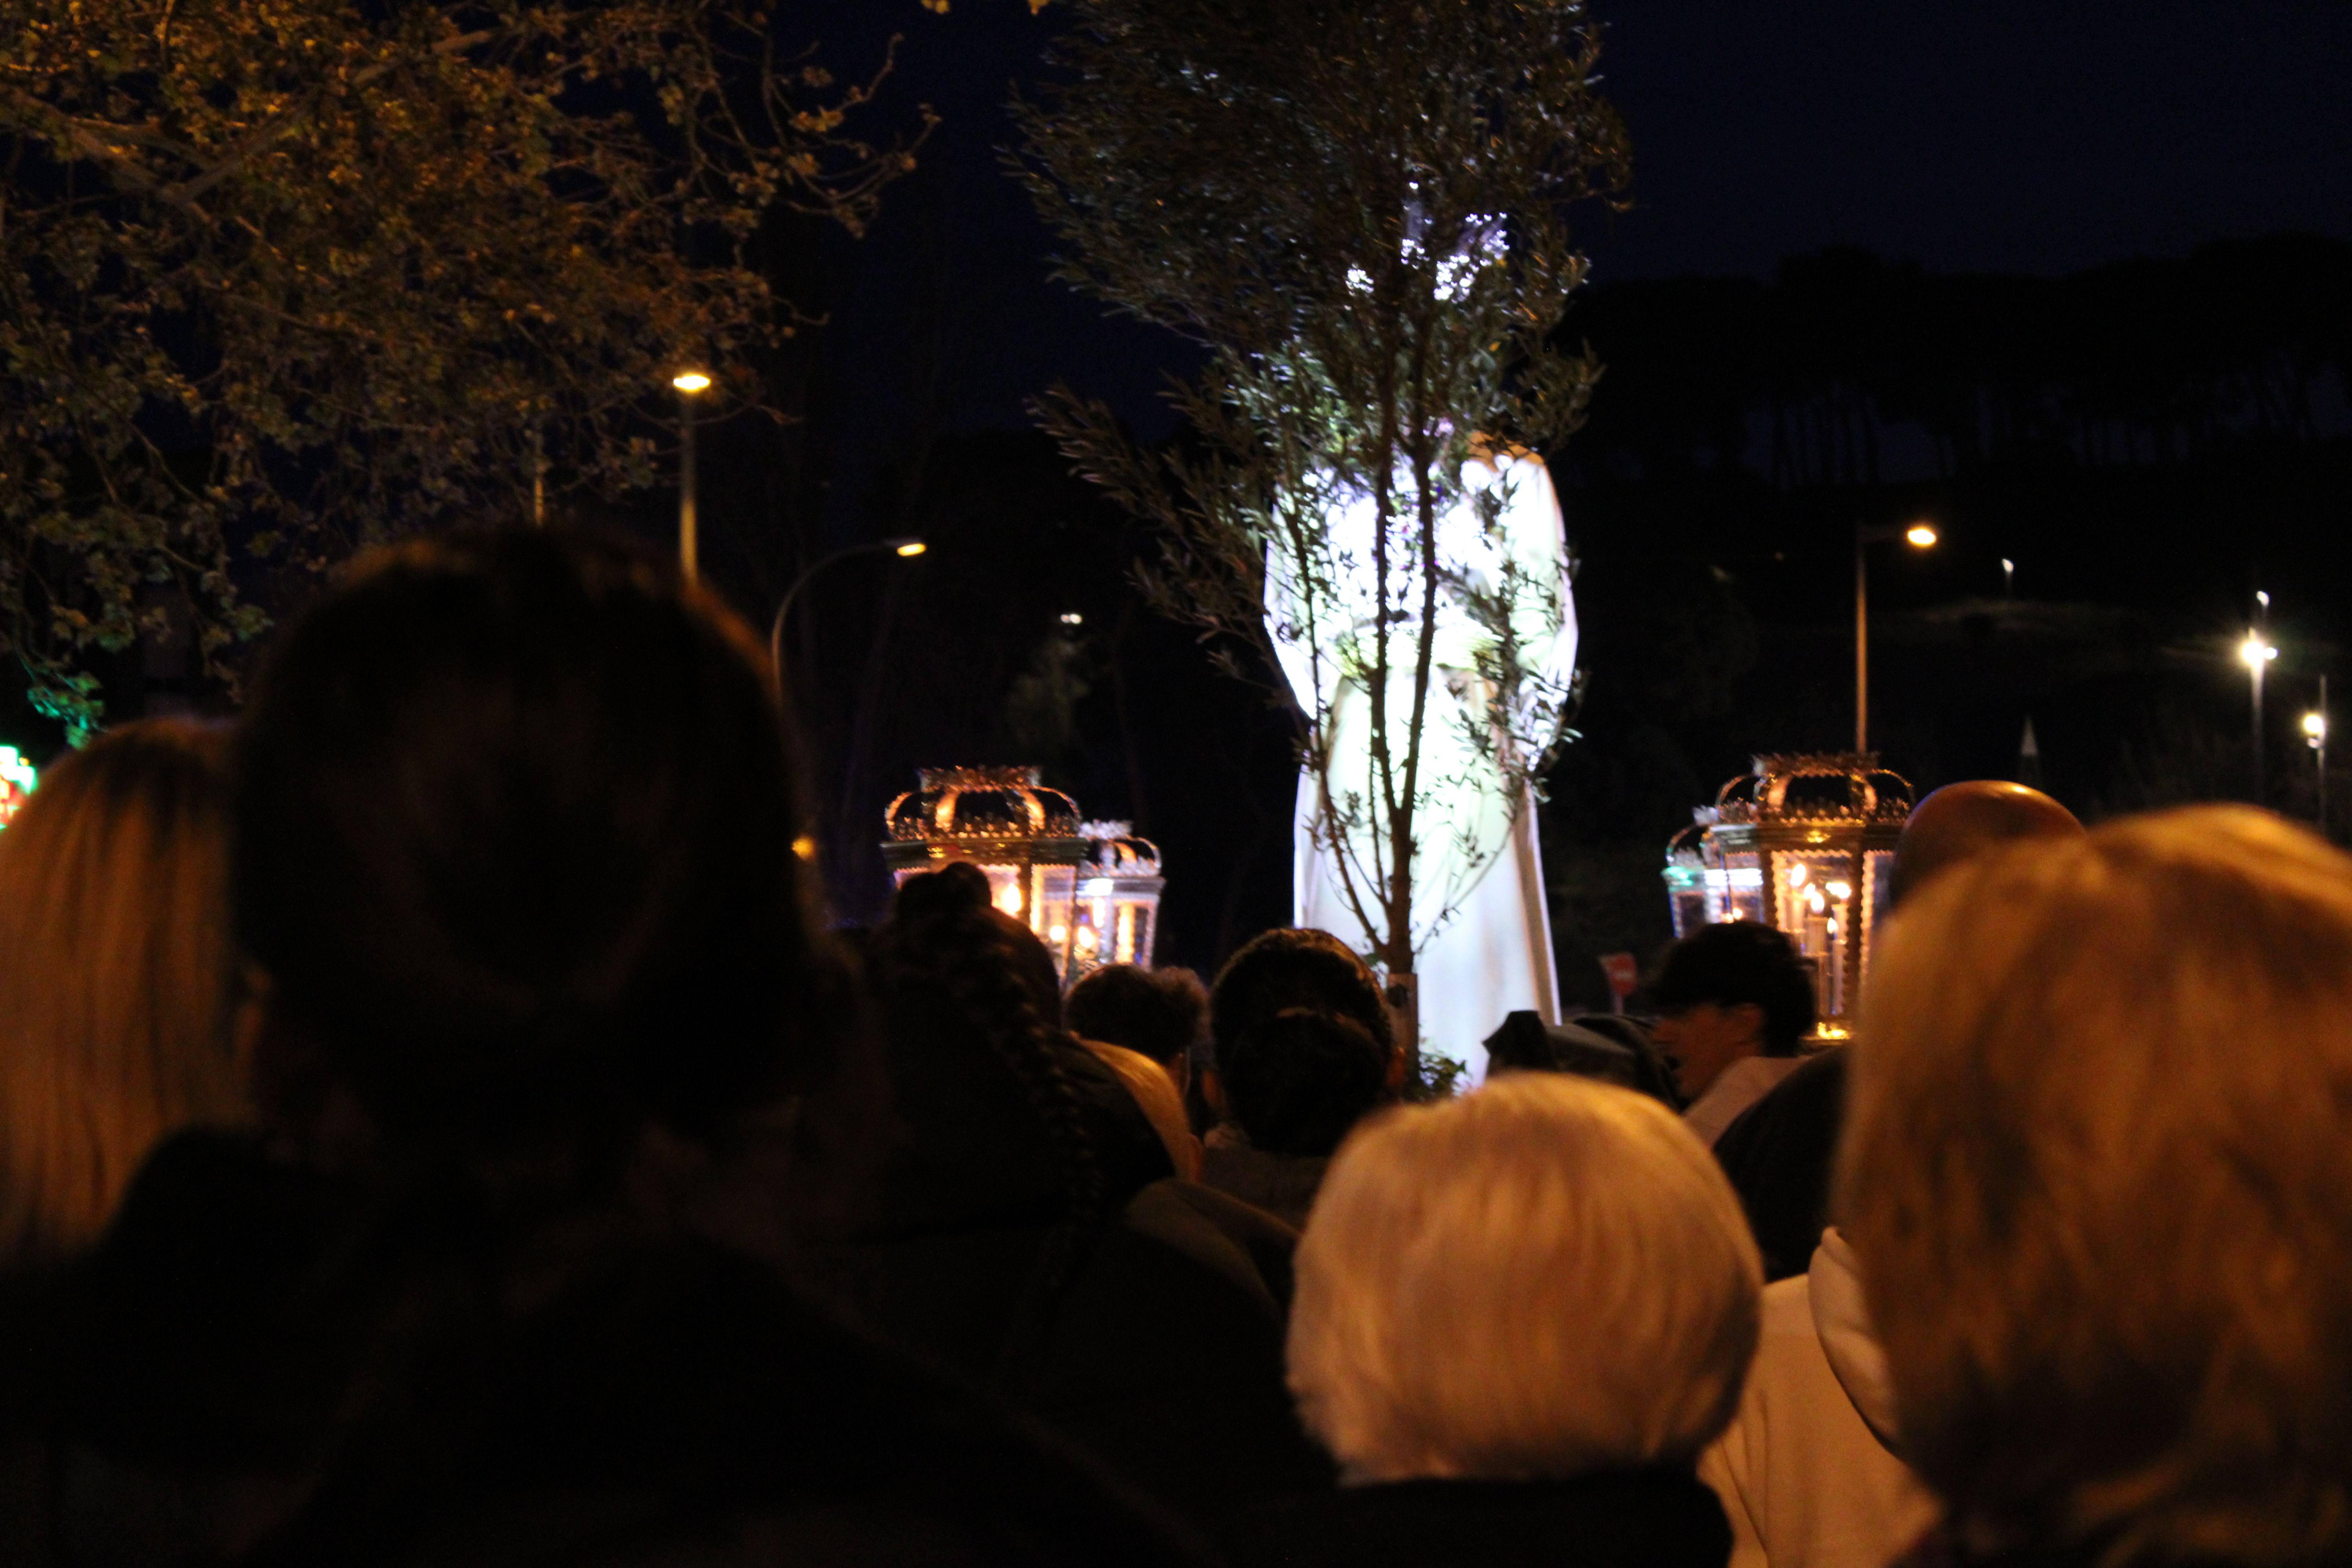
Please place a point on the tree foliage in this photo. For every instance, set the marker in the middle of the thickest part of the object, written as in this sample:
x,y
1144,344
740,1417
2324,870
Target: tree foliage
x,y
281,277
1360,209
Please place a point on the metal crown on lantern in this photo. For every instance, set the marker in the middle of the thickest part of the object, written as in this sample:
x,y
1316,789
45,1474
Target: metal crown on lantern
x,y
1089,889
1805,843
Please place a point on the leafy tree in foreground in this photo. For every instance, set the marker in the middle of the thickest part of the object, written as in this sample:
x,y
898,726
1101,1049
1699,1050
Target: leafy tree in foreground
x,y
1357,208
281,277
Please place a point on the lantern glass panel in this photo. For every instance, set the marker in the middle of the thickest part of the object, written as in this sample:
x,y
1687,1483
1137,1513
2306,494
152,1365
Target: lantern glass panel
x,y
1818,903
1737,891
1053,891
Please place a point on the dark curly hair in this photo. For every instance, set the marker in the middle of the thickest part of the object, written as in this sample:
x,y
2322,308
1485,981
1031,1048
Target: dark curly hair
x,y
946,953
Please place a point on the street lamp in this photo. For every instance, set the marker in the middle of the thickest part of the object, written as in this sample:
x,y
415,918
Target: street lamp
x,y
1919,536
906,546
2258,655
691,385
2008,578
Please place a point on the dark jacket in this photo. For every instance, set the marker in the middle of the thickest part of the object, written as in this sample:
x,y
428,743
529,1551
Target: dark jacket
x,y
1663,1518
265,1368
1155,1339
1779,1154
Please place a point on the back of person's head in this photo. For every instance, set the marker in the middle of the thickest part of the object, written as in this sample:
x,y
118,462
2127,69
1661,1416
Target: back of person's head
x,y
1297,1081
116,975
971,1010
1961,821
1740,964
1159,1012
1295,967
2097,1174
516,817
1545,1276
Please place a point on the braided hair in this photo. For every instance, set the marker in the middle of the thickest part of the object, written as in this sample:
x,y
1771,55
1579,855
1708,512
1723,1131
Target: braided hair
x,y
946,946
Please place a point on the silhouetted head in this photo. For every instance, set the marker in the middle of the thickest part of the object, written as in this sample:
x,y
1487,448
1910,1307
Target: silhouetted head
x,y
1298,1081
1295,967
1963,820
516,818
1159,1012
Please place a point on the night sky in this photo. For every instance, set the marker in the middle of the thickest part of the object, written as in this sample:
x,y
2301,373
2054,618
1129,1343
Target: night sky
x,y
1966,135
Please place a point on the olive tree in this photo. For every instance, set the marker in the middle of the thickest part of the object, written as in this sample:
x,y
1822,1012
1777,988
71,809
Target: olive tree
x,y
1359,209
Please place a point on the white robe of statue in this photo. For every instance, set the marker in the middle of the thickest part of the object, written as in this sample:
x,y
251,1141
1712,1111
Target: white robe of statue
x,y
1479,850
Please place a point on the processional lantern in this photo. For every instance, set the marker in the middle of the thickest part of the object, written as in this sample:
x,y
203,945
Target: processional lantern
x,y
1119,899
1805,843
1089,889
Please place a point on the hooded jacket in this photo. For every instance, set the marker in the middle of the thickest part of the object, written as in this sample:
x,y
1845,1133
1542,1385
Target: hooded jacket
x,y
1807,1470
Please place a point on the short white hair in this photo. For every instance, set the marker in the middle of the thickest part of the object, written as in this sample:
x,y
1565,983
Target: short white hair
x,y
1547,1277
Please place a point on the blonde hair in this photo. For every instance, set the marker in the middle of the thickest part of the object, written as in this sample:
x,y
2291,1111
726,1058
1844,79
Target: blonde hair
x,y
2098,1175
1547,1277
1154,1093
115,971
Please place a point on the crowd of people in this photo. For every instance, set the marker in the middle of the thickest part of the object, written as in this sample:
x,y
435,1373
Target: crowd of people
x,y
437,1126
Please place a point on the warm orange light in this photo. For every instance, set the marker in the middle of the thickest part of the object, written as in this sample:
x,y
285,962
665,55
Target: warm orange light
x,y
690,382
1920,536
913,547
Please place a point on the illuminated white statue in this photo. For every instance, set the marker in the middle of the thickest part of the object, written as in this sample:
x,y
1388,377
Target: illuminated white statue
x,y
1481,932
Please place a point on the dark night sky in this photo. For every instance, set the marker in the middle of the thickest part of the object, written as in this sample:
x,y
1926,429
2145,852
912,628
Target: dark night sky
x,y
2038,136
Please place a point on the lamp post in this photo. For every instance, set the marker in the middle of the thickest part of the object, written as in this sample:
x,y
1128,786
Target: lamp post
x,y
1920,537
691,385
2258,654
2314,729
905,546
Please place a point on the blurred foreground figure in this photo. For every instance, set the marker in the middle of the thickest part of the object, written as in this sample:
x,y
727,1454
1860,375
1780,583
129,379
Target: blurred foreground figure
x,y
1520,1316
1778,1153
2096,1177
515,826
1027,1232
116,976
1810,1470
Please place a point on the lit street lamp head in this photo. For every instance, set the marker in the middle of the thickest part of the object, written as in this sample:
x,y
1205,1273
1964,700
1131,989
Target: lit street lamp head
x,y
1920,536
907,545
2256,652
2316,726
690,382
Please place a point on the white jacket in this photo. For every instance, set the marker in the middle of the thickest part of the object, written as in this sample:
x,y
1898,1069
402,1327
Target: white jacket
x,y
1806,1470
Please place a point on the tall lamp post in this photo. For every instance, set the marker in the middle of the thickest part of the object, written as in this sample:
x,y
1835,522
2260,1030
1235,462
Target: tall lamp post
x,y
2315,727
691,385
1920,537
2258,654
905,546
